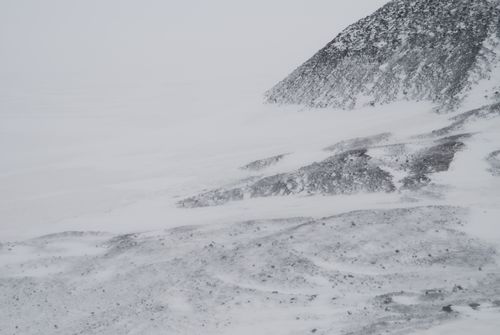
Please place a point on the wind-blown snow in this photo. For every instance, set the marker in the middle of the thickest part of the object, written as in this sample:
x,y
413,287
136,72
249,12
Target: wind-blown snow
x,y
98,152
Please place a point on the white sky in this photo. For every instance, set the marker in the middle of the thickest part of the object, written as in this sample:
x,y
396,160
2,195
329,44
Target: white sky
x,y
63,42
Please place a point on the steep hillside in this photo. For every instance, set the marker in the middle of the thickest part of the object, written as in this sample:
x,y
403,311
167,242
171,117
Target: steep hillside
x,y
407,50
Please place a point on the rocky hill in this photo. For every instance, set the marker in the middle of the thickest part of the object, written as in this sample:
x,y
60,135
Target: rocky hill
x,y
407,50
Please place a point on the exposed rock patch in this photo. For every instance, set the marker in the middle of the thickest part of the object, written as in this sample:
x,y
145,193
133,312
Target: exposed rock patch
x,y
263,163
213,198
358,143
494,160
431,160
346,173
461,120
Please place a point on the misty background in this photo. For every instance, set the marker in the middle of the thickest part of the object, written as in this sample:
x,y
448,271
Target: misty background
x,y
109,108
75,43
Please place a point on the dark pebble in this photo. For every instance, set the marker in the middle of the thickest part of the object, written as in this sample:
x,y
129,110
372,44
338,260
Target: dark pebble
x,y
447,309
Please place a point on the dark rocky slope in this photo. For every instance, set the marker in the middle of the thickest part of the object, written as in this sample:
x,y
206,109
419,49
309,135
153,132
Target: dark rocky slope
x,y
346,173
407,50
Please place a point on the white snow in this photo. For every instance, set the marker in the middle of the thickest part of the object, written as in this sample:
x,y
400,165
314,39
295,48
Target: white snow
x,y
105,124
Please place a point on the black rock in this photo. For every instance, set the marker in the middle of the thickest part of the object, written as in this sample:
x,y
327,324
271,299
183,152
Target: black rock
x,y
447,309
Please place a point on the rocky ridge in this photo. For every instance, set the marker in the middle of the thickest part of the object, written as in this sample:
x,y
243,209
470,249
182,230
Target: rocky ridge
x,y
407,50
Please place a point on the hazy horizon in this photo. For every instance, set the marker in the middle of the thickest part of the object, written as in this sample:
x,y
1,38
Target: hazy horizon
x,y
58,43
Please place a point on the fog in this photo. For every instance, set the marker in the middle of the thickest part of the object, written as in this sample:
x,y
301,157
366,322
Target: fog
x,y
61,43
97,94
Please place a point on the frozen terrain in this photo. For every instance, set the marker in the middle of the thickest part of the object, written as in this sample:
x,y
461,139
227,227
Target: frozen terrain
x,y
408,49
155,193
363,272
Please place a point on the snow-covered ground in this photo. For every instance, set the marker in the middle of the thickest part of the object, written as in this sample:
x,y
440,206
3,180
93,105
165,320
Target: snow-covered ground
x,y
172,100
123,172
108,158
